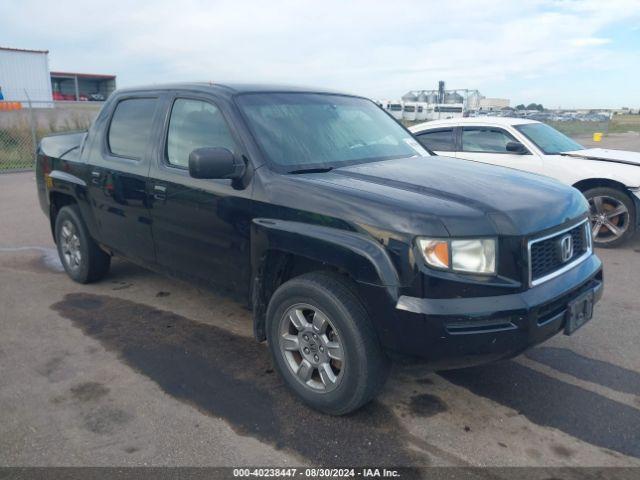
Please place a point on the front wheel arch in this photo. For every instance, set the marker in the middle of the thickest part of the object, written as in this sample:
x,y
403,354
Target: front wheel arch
x,y
591,183
276,243
277,267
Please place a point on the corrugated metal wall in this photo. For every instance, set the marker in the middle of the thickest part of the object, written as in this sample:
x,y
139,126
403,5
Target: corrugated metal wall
x,y
23,70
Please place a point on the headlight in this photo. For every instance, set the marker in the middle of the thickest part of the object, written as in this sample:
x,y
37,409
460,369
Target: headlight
x,y
467,256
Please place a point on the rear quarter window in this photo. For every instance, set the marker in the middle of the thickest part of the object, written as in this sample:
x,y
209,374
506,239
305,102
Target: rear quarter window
x,y
441,139
130,127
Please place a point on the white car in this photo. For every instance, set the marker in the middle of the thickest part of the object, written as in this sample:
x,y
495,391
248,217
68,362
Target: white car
x,y
609,179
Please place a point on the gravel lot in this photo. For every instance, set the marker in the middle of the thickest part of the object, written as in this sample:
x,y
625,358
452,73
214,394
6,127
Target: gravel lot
x,y
144,370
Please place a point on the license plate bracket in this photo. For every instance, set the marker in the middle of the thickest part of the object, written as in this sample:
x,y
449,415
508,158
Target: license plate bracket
x,y
579,312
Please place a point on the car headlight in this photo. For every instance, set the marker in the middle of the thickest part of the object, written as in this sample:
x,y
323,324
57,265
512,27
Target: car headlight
x,y
466,256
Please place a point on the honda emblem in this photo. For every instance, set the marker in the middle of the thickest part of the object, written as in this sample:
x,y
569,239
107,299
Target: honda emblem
x,y
566,248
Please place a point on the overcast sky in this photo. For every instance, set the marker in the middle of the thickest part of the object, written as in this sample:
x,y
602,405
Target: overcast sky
x,y
559,53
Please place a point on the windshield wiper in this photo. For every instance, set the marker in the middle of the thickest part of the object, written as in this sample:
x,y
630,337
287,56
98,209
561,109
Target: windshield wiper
x,y
311,170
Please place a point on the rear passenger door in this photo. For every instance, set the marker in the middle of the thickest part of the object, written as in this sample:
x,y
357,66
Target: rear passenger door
x,y
200,226
118,174
439,140
488,144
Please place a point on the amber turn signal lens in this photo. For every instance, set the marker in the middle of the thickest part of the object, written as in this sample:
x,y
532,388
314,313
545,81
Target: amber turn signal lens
x,y
435,252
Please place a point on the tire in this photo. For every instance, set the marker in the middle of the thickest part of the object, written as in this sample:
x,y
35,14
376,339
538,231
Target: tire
x,y
610,231
334,312
81,257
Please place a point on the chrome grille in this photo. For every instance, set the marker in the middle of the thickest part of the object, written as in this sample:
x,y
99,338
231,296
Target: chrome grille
x,y
546,257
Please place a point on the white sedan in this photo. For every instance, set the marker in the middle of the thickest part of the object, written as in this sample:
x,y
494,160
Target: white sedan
x,y
609,179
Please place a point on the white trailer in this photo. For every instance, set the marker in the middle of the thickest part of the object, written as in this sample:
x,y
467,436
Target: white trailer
x,y
409,111
395,109
421,110
443,111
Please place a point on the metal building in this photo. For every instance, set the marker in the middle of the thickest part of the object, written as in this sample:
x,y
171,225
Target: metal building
x,y
493,103
24,76
82,86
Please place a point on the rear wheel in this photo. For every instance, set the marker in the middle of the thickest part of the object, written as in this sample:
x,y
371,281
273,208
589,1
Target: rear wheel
x,y
323,343
81,257
612,215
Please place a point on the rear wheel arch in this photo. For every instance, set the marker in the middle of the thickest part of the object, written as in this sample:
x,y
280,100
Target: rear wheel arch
x,y
83,260
58,200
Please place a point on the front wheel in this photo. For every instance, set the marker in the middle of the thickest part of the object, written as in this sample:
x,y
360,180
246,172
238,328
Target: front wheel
x,y
323,344
612,215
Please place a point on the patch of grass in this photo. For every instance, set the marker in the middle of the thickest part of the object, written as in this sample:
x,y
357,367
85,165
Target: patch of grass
x,y
577,128
16,148
618,124
625,123
16,140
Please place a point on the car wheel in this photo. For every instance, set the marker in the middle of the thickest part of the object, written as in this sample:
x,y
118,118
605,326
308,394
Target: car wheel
x,y
323,343
612,215
83,260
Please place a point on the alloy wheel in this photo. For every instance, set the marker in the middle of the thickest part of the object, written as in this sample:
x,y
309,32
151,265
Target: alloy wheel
x,y
311,347
609,218
70,245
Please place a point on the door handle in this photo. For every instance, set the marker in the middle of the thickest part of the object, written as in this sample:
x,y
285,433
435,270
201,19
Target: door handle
x,y
160,192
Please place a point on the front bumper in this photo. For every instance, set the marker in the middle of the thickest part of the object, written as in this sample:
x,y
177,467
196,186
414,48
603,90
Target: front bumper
x,y
458,332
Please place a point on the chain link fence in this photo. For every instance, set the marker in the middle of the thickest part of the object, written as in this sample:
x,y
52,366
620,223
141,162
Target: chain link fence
x,y
23,124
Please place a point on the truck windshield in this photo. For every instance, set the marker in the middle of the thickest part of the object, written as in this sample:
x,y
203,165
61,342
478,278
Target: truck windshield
x,y
547,138
312,131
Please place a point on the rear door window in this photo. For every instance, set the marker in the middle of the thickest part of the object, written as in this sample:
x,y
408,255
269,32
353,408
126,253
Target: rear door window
x,y
130,127
438,140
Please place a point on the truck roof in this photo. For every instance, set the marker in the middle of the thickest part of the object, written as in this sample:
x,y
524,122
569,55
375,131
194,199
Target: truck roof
x,y
230,88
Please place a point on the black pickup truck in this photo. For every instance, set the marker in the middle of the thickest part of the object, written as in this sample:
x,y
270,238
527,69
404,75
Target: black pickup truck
x,y
350,242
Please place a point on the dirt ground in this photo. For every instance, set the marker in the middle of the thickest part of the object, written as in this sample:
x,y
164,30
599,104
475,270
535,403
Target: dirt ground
x,y
140,369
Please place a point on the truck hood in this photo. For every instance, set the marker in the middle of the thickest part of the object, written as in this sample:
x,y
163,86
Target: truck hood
x,y
606,155
468,198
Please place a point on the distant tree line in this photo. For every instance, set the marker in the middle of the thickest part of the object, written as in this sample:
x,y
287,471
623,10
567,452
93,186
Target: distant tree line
x,y
531,106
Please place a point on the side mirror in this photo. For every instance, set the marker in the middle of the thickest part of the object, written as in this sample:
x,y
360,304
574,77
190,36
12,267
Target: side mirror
x,y
516,147
215,162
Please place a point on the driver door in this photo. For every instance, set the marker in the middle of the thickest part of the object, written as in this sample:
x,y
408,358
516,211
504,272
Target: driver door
x,y
488,144
200,226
